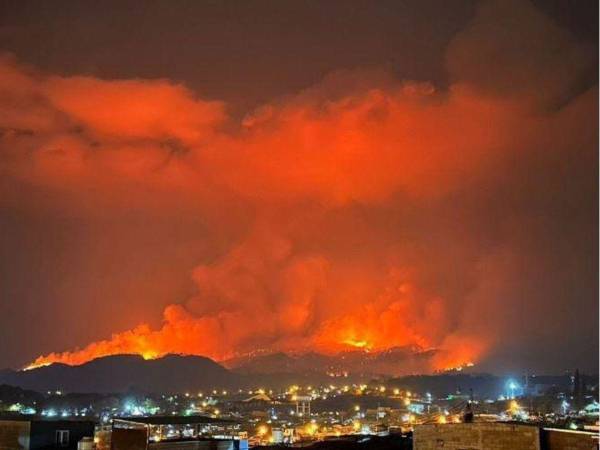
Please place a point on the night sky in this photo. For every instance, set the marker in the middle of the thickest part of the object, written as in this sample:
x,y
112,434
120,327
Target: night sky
x,y
219,177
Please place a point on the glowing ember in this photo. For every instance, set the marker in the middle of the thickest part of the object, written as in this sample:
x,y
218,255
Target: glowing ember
x,y
358,344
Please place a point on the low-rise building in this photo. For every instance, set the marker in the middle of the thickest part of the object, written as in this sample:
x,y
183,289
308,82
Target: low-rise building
x,y
175,433
500,436
36,433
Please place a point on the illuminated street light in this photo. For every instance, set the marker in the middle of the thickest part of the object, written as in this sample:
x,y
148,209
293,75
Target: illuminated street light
x,y
512,387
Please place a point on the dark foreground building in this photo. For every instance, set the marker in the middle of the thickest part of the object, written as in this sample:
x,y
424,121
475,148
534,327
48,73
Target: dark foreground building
x,y
173,433
24,433
500,436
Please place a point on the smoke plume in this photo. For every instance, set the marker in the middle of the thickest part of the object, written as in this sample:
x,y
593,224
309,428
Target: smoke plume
x,y
365,212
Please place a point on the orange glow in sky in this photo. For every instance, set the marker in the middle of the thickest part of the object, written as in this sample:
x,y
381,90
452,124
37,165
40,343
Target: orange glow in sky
x,y
361,213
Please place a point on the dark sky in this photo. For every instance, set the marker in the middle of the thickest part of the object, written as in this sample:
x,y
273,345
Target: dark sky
x,y
243,52
429,167
249,52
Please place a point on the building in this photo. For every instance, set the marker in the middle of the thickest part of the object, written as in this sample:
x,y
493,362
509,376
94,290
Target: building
x,y
557,439
34,433
500,436
175,433
302,405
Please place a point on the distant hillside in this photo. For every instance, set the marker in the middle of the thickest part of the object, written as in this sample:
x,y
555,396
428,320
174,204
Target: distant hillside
x,y
122,373
176,373
280,363
11,394
396,361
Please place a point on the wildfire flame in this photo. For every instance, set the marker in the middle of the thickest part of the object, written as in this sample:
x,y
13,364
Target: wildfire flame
x,y
357,343
329,239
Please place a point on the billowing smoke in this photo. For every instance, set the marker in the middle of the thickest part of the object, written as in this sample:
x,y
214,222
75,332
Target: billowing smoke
x,y
364,212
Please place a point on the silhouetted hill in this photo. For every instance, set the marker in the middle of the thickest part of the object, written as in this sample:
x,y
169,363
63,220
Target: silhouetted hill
x,y
122,373
12,394
484,385
176,373
395,361
279,362
442,384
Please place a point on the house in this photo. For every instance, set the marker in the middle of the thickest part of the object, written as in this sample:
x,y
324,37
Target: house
x,y
36,433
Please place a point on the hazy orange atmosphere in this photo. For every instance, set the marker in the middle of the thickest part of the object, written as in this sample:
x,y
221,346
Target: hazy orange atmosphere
x,y
365,211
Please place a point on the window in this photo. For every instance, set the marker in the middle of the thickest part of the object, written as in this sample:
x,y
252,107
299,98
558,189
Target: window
x,y
62,438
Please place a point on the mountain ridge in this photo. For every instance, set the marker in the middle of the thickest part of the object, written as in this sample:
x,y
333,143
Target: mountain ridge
x,y
394,361
122,373
178,373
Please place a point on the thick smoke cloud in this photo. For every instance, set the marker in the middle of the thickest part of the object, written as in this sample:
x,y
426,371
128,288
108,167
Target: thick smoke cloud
x,y
364,212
